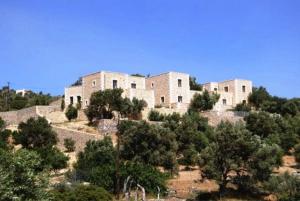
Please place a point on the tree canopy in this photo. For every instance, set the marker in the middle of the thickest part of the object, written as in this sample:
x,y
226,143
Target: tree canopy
x,y
203,102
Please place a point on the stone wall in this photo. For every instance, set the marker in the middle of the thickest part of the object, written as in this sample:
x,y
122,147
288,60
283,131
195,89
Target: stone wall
x,y
80,138
215,117
18,116
107,126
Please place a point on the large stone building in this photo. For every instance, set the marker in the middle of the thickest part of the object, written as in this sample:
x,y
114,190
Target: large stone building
x,y
170,90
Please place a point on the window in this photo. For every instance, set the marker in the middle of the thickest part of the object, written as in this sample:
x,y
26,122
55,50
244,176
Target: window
x,y
179,83
78,99
215,89
152,85
244,88
115,84
133,85
179,99
226,89
224,102
244,102
94,83
86,102
71,100
162,99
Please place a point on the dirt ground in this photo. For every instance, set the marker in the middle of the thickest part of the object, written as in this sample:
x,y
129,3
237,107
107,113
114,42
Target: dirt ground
x,y
189,181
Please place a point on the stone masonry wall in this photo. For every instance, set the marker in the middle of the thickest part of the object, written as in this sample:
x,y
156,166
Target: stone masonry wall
x,y
16,117
80,138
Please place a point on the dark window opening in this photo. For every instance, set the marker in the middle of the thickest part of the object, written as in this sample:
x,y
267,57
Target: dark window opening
x,y
179,99
244,101
78,99
115,84
224,102
133,85
244,88
226,89
162,99
179,83
71,100
215,89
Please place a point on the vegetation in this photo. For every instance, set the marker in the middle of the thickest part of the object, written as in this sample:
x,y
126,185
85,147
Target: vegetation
x,y
245,155
96,164
203,102
297,152
148,144
71,113
242,107
155,116
286,187
194,85
62,104
10,100
80,193
103,103
37,135
272,129
69,144
262,100
20,176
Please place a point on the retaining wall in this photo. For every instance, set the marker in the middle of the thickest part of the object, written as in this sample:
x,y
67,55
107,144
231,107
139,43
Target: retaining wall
x,y
80,138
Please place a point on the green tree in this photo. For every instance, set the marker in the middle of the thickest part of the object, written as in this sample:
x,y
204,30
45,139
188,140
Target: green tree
x,y
235,150
259,96
297,152
20,178
203,102
145,143
63,104
97,163
155,116
71,113
272,128
69,144
194,85
2,124
242,107
286,187
35,133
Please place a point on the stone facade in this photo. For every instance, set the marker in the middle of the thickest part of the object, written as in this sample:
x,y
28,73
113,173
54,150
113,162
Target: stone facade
x,y
133,86
169,90
232,92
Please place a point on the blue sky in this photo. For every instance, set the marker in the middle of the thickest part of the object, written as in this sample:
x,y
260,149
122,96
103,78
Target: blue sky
x,y
46,45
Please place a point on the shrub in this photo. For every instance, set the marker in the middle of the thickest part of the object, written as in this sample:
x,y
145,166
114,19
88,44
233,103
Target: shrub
x,y
297,152
155,116
71,113
242,107
81,193
62,105
203,102
69,144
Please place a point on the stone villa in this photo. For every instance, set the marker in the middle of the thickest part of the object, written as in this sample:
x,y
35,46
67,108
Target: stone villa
x,y
168,90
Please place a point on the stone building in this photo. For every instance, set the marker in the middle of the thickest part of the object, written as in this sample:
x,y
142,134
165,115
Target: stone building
x,y
133,86
169,90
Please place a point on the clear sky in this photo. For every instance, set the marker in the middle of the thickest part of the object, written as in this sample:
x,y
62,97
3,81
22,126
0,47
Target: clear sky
x,y
46,45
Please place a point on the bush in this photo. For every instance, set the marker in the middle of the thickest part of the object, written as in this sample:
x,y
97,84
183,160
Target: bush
x,y
69,144
71,113
155,116
297,152
62,105
242,107
203,102
81,193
